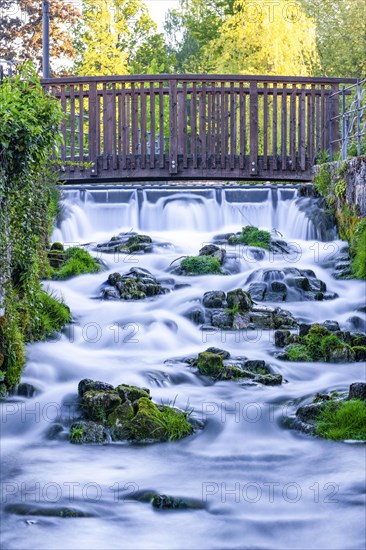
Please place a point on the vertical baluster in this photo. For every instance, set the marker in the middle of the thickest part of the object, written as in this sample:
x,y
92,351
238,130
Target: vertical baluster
x,y
152,125
265,126
63,123
161,126
274,128
81,124
253,128
242,141
293,127
173,138
302,147
194,124
72,126
93,121
232,126
143,125
212,127
185,132
284,128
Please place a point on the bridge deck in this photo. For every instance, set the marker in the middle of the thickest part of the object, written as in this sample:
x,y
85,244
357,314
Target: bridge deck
x,y
194,126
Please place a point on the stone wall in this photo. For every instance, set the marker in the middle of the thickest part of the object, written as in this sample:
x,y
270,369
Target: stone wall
x,y
354,174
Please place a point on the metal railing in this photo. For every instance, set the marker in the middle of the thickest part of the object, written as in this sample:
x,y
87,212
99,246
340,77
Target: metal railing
x,y
351,120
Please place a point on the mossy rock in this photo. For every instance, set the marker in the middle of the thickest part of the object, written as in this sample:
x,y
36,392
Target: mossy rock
x,y
359,353
251,236
239,300
128,413
200,265
83,433
77,262
98,405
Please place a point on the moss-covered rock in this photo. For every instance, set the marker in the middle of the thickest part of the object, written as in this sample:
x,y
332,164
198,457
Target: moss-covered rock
x,y
359,353
127,243
335,416
137,284
216,364
87,433
251,236
318,344
200,265
125,413
76,262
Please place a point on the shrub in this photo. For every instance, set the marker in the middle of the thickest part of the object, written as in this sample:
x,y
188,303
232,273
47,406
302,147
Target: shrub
x,y
252,236
298,352
359,249
200,265
78,261
345,420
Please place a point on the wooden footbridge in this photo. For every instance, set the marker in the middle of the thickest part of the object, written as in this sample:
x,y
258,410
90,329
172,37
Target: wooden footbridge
x,y
186,127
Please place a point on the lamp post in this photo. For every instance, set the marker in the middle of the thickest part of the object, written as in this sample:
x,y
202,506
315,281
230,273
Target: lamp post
x,y
46,39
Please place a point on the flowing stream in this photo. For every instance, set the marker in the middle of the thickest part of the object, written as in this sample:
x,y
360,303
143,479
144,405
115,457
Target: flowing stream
x,y
259,484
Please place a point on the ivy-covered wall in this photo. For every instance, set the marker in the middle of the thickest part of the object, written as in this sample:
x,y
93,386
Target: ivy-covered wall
x,y
29,131
343,185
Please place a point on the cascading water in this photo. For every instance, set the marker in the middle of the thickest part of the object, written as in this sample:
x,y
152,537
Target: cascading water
x,y
261,484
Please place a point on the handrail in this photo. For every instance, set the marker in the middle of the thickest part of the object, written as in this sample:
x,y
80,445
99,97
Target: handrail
x,y
198,77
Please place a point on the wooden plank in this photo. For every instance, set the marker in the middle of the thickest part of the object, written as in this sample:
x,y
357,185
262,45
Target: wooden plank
x,y
293,127
209,120
203,130
194,125
63,124
211,148
152,126
135,126
253,129
274,128
181,116
218,125
185,130
106,130
284,128
143,126
223,127
92,129
173,137
302,126
128,122
72,126
242,131
265,126
311,115
323,119
232,127
335,122
123,126
317,125
114,126
161,126
81,124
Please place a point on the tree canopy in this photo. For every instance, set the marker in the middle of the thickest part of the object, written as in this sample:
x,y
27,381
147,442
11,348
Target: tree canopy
x,y
21,31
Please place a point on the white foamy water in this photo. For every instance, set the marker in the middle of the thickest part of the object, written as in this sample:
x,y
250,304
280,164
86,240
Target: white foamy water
x,y
262,485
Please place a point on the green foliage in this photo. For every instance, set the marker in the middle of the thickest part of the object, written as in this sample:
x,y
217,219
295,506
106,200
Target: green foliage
x,y
29,133
358,246
200,265
323,180
49,315
340,189
297,352
319,345
344,420
78,261
252,236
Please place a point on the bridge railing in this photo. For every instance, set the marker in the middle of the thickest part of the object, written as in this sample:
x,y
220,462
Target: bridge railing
x,y
192,125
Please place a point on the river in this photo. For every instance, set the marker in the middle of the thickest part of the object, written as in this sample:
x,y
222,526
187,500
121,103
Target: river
x,y
260,485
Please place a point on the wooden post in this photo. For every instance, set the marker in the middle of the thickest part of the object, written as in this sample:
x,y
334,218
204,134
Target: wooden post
x,y
173,137
253,93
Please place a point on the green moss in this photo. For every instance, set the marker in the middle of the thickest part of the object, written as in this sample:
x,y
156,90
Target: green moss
x,y
252,236
78,261
358,247
200,265
329,344
162,423
298,352
342,420
77,433
323,180
50,315
210,364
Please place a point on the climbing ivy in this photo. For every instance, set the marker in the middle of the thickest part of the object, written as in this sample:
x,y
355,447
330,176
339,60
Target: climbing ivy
x,y
29,133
